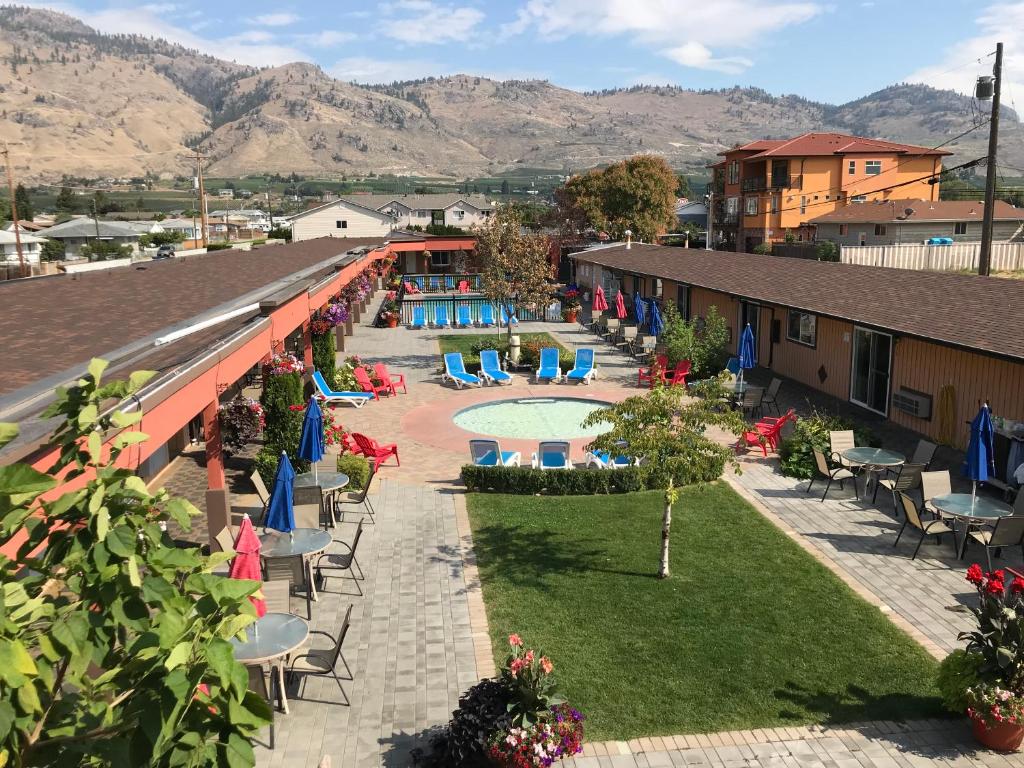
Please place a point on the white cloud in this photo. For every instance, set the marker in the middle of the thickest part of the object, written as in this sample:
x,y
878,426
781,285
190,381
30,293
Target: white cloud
x,y
160,7
686,35
274,19
252,36
363,69
962,62
421,22
326,39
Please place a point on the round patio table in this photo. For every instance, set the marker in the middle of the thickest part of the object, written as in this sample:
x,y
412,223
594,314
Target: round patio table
x,y
270,640
303,543
970,509
873,461
328,481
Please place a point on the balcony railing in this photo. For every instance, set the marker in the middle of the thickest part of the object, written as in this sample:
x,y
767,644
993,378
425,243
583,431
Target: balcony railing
x,y
758,183
442,283
753,184
728,218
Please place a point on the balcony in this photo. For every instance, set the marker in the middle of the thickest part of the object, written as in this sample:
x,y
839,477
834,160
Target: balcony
x,y
753,184
728,218
758,183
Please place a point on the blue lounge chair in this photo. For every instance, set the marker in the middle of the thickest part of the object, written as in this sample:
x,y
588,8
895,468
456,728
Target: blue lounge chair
x,y
490,368
440,316
604,460
505,319
435,284
358,399
449,283
465,320
487,453
583,370
419,283
733,366
419,317
549,368
486,315
455,371
552,455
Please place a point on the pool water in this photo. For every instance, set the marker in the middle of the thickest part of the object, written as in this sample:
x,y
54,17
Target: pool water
x,y
533,418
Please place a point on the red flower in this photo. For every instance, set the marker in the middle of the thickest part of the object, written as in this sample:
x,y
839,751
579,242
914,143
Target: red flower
x,y
995,587
974,574
1017,585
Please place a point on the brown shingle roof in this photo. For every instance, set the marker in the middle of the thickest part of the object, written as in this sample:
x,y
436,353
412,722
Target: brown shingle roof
x,y
894,211
55,323
961,310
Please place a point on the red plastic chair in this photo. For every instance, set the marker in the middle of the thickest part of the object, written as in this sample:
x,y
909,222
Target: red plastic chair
x,y
771,427
463,286
680,372
753,439
373,450
653,373
391,379
411,287
363,379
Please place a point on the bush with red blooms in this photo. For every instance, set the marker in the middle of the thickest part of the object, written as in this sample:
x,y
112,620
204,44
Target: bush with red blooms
x,y
334,433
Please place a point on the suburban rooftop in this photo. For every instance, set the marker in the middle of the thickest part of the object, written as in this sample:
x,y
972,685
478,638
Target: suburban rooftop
x,y
895,211
810,144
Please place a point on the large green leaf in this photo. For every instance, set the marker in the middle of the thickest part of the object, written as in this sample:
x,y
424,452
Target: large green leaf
x,y
239,752
6,719
21,478
121,541
178,655
8,432
222,660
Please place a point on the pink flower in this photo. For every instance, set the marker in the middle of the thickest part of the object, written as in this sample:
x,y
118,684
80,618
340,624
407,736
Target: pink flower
x,y
546,665
529,657
514,640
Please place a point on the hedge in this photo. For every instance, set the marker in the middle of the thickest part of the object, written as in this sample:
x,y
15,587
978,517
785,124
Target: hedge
x,y
357,468
324,354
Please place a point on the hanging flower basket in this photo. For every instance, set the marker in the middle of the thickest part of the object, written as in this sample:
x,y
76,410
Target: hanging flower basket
x,y
329,318
241,421
286,363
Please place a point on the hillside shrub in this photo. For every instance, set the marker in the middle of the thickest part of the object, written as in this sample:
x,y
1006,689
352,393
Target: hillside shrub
x,y
796,452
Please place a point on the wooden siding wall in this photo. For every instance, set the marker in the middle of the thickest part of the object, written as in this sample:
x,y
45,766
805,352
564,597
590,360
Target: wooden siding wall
x,y
833,351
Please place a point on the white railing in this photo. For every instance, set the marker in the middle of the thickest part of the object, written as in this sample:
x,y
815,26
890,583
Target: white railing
x,y
1005,256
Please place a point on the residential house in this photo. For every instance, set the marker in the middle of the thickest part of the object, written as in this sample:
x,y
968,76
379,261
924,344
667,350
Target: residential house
x,y
420,253
227,194
75,233
191,229
772,188
341,218
897,222
691,212
31,248
446,209
255,219
919,348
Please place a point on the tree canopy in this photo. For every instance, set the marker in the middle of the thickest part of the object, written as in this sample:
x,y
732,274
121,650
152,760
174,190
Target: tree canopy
x,y
24,203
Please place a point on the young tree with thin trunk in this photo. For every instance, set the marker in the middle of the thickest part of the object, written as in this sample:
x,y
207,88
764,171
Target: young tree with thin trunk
x,y
516,270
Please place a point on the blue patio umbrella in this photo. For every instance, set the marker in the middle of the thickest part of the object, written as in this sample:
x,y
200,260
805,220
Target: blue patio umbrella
x,y
654,323
281,508
638,308
979,461
311,441
748,350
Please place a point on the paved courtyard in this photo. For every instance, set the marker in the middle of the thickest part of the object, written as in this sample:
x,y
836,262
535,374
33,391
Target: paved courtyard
x,y
419,637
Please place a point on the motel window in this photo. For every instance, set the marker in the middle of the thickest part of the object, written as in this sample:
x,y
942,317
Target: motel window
x,y
734,172
732,206
872,167
803,204
853,167
439,259
859,199
960,228
879,230
751,206
657,287
803,328
459,215
775,203
844,229
341,224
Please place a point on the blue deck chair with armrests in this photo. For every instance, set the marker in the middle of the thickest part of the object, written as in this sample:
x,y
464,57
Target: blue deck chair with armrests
x,y
419,317
490,368
552,454
486,315
358,399
435,283
584,369
440,316
487,453
455,371
464,318
506,319
549,367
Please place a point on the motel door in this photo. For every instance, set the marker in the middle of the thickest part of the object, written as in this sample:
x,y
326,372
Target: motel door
x,y
872,369
749,313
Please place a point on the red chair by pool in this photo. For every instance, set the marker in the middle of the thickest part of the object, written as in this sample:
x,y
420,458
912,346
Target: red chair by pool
x,y
463,286
411,287
657,374
391,379
679,373
373,450
363,380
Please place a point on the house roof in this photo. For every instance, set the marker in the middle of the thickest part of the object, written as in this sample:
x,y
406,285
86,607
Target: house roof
x,y
895,211
965,311
181,223
341,201
87,227
811,144
103,313
430,201
755,146
8,238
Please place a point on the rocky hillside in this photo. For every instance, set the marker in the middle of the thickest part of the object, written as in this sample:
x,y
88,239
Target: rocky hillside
x,y
78,102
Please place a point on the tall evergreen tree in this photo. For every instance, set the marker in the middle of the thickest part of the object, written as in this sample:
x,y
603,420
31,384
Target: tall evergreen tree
x,y
25,210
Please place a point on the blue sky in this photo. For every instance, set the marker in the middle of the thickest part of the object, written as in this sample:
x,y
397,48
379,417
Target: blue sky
x,y
830,50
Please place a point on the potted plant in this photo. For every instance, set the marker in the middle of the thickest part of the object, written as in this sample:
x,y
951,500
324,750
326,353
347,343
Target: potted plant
x,y
570,305
241,421
988,677
389,312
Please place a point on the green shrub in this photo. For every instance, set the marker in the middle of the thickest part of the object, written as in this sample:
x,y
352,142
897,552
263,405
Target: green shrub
x,y
826,250
218,246
703,462
526,481
357,468
763,248
796,451
324,354
958,672
266,464
706,349
283,425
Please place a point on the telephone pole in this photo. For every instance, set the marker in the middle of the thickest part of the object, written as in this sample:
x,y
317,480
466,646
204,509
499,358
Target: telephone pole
x,y
985,253
202,197
14,211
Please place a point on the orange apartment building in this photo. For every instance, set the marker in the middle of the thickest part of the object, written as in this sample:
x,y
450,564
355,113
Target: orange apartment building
x,y
773,187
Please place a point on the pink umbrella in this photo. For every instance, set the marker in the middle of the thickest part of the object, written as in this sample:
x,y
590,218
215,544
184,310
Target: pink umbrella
x,y
246,564
620,306
600,303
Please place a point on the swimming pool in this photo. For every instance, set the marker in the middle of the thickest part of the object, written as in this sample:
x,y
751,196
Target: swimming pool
x,y
533,418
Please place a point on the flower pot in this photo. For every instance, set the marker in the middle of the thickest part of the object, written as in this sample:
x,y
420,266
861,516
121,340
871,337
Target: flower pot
x,y
570,315
1002,737
392,322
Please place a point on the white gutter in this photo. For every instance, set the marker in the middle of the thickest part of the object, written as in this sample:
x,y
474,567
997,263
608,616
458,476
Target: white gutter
x,y
196,327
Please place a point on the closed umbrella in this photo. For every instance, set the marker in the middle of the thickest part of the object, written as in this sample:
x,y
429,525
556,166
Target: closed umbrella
x,y
311,441
620,306
600,303
748,350
638,307
246,564
281,508
980,452
654,319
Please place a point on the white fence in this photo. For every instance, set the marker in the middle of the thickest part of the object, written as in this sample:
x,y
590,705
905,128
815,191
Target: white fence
x,y
1005,256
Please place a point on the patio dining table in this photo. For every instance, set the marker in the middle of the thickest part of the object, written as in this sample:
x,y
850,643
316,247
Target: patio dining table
x,y
873,461
270,640
302,543
971,510
328,481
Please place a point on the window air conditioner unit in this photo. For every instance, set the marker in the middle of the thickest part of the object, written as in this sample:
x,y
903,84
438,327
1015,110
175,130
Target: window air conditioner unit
x,y
913,403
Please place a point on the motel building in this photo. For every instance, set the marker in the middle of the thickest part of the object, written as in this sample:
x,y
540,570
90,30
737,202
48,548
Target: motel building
x,y
922,349
203,323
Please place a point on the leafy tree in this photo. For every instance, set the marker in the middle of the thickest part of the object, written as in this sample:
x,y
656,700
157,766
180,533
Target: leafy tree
x,y
153,239
701,341
683,187
516,269
24,203
66,202
104,250
115,640
826,250
504,186
52,250
763,248
666,429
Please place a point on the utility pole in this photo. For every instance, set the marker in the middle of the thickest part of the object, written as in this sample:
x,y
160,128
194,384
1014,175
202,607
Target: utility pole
x,y
711,208
14,211
985,254
202,197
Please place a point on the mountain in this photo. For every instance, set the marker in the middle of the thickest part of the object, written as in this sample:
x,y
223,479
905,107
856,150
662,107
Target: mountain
x,y
78,102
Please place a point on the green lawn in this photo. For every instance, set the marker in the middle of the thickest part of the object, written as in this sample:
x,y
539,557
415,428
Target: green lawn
x,y
464,342
749,632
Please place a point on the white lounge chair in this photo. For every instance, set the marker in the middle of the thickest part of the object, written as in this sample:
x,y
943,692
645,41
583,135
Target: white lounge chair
x,y
553,454
604,460
583,370
455,371
358,399
490,368
487,453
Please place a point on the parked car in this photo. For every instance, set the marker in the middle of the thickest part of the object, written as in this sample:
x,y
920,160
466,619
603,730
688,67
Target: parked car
x,y
164,252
